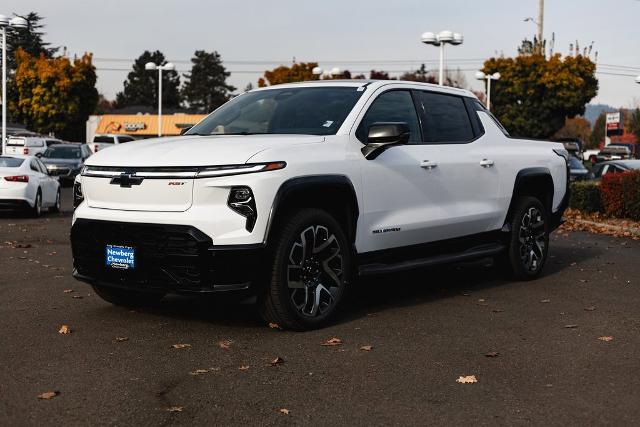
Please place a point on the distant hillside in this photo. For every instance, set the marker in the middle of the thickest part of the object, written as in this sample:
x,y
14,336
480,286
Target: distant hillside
x,y
593,111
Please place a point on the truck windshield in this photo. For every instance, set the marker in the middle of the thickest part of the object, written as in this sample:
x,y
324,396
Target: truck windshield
x,y
305,110
62,152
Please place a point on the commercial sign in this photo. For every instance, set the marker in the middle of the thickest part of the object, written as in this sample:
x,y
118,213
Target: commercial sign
x,y
613,121
132,127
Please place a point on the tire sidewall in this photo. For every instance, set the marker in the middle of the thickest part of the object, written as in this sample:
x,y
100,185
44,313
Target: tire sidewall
x,y
279,287
523,205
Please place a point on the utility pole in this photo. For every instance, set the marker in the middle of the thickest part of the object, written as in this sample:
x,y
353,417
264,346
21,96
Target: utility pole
x,y
541,26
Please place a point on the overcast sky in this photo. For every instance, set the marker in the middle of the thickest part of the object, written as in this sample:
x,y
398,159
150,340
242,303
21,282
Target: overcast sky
x,y
257,35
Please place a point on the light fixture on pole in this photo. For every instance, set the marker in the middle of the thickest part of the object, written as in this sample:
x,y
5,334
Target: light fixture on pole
x,y
440,39
151,66
317,71
488,77
5,22
638,79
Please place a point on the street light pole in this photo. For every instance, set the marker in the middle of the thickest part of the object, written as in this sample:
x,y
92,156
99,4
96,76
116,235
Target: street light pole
x,y
440,39
150,66
488,77
5,22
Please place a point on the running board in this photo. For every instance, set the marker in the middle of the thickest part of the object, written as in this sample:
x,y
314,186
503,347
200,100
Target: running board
x,y
473,253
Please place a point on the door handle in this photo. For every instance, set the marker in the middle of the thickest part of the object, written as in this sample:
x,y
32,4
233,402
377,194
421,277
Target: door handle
x,y
486,163
428,164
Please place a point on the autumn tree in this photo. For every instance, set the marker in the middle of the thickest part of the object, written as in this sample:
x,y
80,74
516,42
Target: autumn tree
x,y
379,75
419,75
634,123
141,86
298,72
54,95
206,88
576,128
535,94
597,134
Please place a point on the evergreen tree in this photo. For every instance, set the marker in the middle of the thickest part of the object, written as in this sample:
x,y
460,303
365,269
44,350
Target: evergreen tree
x,y
141,86
29,39
205,88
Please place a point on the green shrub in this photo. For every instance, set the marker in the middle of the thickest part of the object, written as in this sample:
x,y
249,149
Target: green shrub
x,y
585,196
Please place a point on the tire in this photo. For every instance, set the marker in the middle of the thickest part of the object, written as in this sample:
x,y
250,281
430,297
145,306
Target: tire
x,y
310,271
36,210
56,207
127,298
528,245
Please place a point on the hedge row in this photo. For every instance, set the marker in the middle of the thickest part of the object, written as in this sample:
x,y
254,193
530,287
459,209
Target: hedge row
x,y
617,195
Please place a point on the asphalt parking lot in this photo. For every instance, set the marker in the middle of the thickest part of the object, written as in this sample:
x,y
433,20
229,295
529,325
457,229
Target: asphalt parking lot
x,y
565,347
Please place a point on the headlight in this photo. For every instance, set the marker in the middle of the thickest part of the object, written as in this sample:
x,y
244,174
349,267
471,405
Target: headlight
x,y
78,195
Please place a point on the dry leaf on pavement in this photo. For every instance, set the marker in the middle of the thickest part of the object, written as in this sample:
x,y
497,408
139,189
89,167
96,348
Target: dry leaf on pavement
x,y
77,297
605,339
64,330
284,411
545,301
277,361
332,342
570,326
366,348
68,291
274,325
175,409
244,368
492,354
226,344
122,339
590,308
48,395
181,346
199,372
469,379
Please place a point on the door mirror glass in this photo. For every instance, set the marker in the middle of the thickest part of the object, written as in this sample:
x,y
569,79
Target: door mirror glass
x,y
383,135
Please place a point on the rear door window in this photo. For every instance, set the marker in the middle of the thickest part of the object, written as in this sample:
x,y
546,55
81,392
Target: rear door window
x,y
446,119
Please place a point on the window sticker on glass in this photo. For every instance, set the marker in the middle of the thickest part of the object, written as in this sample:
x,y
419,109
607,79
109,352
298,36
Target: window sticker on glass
x,y
328,123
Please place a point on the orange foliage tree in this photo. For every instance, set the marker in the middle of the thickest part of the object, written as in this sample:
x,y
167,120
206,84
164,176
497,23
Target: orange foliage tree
x,y
298,72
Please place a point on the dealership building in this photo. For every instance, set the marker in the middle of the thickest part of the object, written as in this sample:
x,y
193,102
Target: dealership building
x,y
140,125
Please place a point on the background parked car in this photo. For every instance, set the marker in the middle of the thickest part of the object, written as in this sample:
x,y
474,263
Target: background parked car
x,y
25,184
613,152
591,156
615,166
578,172
29,145
65,160
100,142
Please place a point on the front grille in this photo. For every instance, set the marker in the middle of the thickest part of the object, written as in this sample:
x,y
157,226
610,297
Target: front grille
x,y
168,257
59,171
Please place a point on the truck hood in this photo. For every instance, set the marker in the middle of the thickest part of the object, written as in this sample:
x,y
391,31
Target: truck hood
x,y
194,150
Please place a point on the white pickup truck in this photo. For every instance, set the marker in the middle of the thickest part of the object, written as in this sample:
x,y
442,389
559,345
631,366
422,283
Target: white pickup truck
x,y
291,192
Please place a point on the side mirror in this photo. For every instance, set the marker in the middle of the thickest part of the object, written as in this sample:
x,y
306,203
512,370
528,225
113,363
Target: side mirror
x,y
383,135
185,130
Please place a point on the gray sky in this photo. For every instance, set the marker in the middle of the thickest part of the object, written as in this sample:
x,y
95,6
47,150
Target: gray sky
x,y
256,35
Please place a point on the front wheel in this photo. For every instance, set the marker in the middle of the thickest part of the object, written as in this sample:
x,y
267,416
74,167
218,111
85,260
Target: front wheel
x,y
529,240
311,266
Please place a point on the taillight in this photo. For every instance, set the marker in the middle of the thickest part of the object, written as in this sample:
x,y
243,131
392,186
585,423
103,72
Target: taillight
x,y
17,178
25,151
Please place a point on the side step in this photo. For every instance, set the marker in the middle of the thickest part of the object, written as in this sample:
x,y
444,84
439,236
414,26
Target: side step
x,y
473,253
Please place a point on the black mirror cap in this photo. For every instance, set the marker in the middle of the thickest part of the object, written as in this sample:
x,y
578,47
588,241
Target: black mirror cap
x,y
185,130
383,135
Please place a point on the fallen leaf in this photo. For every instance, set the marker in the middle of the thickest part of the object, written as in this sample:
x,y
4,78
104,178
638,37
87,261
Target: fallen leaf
x,y
274,325
605,339
482,300
77,296
48,395
497,310
366,348
175,409
332,342
492,354
284,411
122,339
570,326
277,361
199,371
244,368
590,308
68,291
226,344
181,345
545,301
469,379
64,330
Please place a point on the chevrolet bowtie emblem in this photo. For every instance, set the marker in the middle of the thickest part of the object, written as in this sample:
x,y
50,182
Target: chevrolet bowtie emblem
x,y
127,179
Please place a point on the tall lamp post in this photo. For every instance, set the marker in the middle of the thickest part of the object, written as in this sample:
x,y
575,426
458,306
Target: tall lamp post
x,y
440,39
151,66
5,22
488,77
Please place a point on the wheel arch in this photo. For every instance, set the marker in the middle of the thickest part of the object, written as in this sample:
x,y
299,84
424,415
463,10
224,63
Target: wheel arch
x,y
333,193
536,182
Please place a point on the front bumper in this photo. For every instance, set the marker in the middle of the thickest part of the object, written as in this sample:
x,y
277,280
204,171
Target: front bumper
x,y
169,258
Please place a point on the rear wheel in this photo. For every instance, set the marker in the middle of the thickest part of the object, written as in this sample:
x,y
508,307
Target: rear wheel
x,y
36,210
127,298
311,265
56,206
529,240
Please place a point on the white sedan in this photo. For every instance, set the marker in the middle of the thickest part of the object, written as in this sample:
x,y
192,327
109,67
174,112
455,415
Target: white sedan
x,y
26,184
